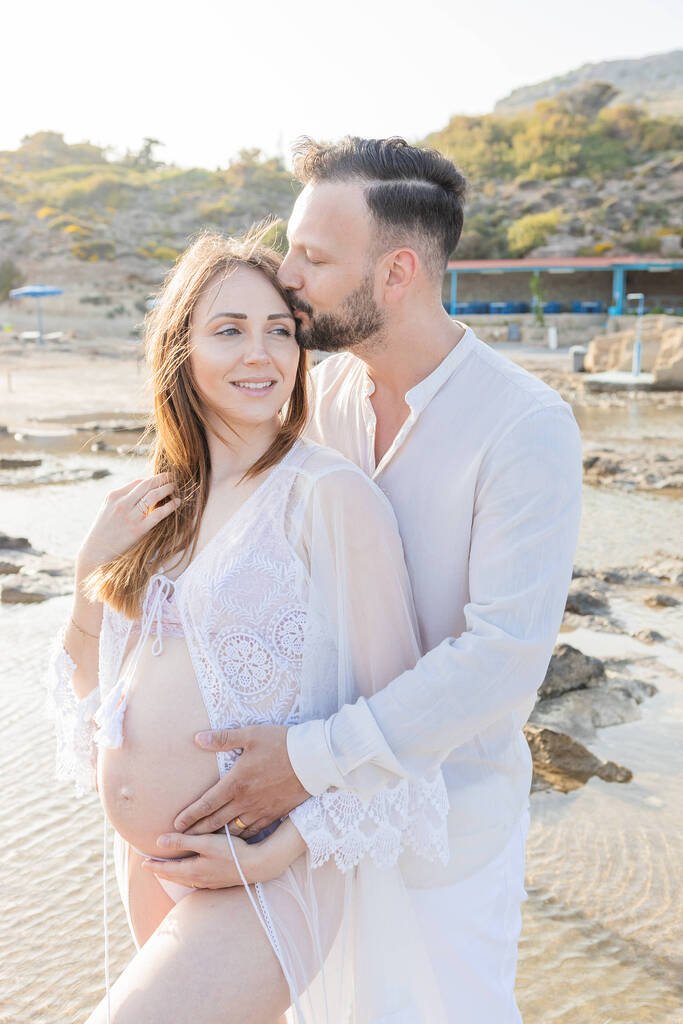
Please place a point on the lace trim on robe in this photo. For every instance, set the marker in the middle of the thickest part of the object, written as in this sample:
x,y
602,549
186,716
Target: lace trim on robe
x,y
410,814
73,721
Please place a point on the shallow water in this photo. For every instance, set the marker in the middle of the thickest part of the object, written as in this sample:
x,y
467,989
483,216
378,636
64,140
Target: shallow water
x,y
602,937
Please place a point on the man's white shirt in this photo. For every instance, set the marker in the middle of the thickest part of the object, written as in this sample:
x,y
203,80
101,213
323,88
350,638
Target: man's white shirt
x,y
485,480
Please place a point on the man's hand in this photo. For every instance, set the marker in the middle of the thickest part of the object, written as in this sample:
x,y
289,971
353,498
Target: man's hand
x,y
260,788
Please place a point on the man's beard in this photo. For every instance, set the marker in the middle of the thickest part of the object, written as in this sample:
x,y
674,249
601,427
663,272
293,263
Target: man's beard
x,y
357,319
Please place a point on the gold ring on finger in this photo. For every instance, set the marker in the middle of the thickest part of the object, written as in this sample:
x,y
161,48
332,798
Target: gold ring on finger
x,y
240,824
143,506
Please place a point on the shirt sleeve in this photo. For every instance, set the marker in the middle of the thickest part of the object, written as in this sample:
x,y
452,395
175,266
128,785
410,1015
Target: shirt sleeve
x,y
73,721
360,597
524,531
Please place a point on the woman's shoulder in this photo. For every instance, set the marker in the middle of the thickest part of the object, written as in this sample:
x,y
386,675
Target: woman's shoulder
x,y
333,479
316,461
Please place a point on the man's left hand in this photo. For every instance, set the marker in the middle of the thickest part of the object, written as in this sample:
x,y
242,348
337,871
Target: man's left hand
x,y
260,788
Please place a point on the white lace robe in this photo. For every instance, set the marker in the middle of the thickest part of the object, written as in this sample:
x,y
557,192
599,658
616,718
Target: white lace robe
x,y
298,605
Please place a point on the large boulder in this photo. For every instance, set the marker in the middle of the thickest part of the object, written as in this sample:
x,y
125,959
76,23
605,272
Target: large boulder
x,y
585,600
569,669
565,764
668,368
661,350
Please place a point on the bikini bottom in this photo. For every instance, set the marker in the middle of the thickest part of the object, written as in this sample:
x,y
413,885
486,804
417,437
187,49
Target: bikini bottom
x,y
175,890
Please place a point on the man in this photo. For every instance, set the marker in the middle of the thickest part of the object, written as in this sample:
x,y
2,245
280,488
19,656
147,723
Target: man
x,y
482,464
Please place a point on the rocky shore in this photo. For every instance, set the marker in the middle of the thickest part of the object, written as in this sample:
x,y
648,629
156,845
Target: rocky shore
x,y
579,695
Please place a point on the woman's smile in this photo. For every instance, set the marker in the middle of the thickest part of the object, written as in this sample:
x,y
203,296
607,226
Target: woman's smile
x,y
255,387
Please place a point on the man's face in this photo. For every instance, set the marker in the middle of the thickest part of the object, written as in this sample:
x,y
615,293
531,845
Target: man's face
x,y
329,267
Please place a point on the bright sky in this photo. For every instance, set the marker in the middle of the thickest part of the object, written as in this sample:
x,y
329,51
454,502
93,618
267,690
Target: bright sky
x,y
210,77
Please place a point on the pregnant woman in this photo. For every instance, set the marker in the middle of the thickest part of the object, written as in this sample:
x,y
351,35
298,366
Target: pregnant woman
x,y
253,578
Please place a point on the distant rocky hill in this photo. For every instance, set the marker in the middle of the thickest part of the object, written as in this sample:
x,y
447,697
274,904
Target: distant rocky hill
x,y
654,83
579,174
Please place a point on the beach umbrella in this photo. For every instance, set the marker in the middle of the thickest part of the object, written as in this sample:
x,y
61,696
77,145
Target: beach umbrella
x,y
37,292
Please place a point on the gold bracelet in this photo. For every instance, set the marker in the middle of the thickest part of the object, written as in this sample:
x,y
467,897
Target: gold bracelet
x,y
93,636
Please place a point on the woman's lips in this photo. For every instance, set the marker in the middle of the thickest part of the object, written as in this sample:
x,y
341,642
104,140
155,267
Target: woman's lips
x,y
254,388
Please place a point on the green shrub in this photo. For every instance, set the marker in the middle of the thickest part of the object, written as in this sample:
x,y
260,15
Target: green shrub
x,y
646,243
10,277
94,251
533,230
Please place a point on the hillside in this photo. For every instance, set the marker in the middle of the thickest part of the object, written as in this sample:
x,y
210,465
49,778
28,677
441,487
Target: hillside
x,y
576,175
653,83
70,213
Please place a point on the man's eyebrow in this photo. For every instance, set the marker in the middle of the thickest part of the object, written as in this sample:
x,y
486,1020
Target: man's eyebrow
x,y
243,316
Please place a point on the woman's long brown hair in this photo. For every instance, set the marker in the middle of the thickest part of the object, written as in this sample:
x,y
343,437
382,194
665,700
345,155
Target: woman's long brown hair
x,y
180,413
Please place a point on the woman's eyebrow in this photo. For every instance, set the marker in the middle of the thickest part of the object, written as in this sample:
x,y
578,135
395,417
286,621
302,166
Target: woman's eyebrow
x,y
229,316
243,316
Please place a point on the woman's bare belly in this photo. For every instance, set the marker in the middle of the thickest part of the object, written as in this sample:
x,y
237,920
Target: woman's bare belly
x,y
159,769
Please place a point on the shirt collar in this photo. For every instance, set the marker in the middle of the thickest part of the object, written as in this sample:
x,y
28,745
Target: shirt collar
x,y
419,397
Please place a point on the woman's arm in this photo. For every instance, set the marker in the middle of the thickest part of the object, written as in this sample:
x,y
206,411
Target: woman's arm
x,y
214,866
72,677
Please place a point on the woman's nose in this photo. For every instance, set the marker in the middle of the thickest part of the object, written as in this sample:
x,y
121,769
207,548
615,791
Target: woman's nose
x,y
256,353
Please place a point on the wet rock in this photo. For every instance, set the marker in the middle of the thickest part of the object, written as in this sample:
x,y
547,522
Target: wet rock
x,y
649,636
667,567
613,576
50,565
566,764
568,670
111,426
581,712
582,600
634,688
635,469
33,588
70,475
14,543
7,463
661,601
141,450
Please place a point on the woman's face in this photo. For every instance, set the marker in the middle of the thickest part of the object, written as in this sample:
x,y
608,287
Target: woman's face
x,y
243,353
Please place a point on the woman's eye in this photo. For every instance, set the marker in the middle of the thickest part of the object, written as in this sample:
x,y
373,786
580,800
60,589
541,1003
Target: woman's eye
x,y
229,331
284,332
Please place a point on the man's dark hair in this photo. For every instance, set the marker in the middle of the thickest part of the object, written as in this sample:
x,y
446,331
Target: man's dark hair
x,y
413,194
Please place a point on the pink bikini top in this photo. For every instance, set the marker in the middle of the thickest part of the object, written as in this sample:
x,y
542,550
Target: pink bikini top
x,y
161,605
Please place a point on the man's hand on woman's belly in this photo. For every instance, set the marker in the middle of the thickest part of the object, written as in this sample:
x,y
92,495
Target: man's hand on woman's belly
x,y
260,788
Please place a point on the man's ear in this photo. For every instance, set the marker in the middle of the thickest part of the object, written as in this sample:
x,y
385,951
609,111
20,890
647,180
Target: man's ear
x,y
400,270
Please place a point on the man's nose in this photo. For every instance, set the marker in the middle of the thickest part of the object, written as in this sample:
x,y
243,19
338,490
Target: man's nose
x,y
287,274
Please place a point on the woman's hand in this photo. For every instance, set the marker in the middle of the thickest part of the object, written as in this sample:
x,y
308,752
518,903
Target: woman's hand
x,y
127,514
213,866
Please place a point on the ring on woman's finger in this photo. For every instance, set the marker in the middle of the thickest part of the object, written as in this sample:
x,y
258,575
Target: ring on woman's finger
x,y
143,506
240,824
